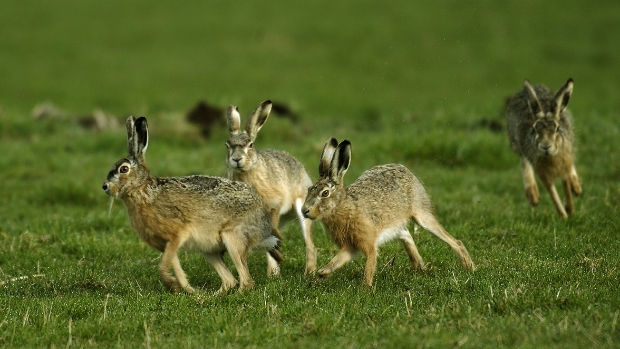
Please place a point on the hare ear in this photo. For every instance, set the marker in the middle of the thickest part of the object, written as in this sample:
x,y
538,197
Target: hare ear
x,y
234,119
326,157
563,96
532,98
340,162
142,131
132,138
257,119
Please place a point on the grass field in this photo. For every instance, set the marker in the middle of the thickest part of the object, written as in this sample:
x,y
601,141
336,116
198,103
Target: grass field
x,y
408,82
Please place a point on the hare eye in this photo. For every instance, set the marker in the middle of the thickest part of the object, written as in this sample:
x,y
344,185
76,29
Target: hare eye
x,y
251,145
325,193
227,146
123,169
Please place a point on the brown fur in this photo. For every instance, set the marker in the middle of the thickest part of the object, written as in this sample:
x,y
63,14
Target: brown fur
x,y
209,215
280,180
540,131
376,208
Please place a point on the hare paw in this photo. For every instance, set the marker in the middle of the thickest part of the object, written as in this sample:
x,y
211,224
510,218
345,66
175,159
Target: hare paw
x,y
532,195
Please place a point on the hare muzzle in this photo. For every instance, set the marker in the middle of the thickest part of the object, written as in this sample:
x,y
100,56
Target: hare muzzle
x,y
106,188
110,189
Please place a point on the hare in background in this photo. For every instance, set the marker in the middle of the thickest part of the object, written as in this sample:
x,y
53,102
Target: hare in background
x,y
209,215
373,210
277,176
541,133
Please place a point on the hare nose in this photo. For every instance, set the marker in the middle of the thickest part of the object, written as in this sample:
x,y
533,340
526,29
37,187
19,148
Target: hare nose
x,y
237,160
545,146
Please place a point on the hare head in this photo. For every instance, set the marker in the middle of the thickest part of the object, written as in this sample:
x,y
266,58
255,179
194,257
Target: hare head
x,y
324,195
241,155
547,110
130,172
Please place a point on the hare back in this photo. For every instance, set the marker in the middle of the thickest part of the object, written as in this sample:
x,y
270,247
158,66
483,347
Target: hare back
x,y
388,193
285,168
194,193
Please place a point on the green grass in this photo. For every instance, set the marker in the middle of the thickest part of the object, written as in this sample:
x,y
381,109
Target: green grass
x,y
406,82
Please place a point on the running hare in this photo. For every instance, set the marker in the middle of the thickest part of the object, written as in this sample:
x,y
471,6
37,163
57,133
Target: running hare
x,y
373,210
209,215
540,132
278,177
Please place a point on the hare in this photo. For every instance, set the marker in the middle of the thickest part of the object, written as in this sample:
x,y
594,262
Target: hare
x,y
541,133
373,210
203,214
278,177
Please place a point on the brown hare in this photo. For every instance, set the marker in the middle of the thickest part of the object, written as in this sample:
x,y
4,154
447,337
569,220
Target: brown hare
x,y
373,210
541,133
209,215
277,176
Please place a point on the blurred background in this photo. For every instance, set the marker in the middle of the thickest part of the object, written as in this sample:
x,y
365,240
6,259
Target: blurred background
x,y
326,59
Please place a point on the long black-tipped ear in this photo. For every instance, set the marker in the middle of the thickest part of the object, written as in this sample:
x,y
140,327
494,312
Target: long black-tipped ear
x,y
532,98
142,132
233,119
563,96
257,119
340,162
326,157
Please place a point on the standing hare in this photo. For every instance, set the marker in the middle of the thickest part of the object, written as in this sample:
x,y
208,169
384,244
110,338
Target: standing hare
x,y
373,210
209,215
277,176
540,132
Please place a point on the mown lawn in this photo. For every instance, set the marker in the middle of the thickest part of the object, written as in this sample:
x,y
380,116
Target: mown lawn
x,y
418,84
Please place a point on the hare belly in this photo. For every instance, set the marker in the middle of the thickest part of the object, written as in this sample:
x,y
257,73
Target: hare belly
x,y
390,234
283,203
200,241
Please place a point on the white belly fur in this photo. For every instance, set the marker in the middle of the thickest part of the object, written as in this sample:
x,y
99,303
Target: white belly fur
x,y
390,234
201,242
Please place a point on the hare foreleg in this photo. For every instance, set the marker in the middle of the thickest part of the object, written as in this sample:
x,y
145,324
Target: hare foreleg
x,y
573,178
343,256
529,182
568,197
306,229
371,266
170,259
556,199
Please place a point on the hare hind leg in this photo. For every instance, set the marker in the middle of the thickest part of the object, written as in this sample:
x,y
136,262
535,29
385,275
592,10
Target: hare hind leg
x,y
529,182
237,249
273,267
306,229
414,256
427,221
228,280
